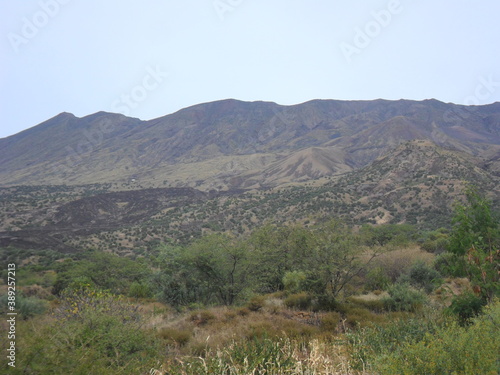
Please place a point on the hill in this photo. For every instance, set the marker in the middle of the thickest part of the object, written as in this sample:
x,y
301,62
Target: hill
x,y
415,183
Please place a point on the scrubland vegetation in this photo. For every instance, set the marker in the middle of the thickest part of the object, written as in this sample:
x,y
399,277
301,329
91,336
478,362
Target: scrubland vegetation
x,y
324,299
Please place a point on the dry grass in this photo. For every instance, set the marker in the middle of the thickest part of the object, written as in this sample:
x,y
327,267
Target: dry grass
x,y
398,261
451,288
317,357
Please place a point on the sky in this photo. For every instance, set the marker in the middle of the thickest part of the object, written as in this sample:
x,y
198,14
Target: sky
x,y
149,58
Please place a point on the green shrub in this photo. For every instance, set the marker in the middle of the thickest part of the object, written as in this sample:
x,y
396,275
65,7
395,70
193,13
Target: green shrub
x,y
30,306
301,301
451,265
90,333
367,344
466,306
377,278
421,276
451,350
26,307
403,297
436,241
358,317
324,302
293,281
139,290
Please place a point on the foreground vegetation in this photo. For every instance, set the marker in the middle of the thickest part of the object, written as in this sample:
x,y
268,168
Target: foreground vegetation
x,y
325,299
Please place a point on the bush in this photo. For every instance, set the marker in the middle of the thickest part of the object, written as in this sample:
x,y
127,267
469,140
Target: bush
x,y
201,317
421,276
466,306
436,241
330,321
402,297
358,317
301,301
293,281
398,262
451,265
451,350
90,333
324,302
26,307
256,303
368,344
377,278
139,290
30,306
177,337
37,291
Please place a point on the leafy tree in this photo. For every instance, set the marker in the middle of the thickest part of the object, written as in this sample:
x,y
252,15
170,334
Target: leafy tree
x,y
274,252
476,237
335,259
221,264
396,234
176,282
293,281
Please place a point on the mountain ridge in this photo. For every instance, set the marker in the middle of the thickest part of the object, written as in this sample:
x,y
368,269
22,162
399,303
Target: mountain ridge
x,y
172,150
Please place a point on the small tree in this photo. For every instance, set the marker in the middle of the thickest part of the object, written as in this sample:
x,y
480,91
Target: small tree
x,y
221,263
336,259
476,237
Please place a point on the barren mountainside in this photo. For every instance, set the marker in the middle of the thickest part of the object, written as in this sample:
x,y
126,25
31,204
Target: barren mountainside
x,y
234,144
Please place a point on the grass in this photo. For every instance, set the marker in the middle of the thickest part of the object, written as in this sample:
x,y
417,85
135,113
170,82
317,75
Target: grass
x,y
451,349
273,339
266,356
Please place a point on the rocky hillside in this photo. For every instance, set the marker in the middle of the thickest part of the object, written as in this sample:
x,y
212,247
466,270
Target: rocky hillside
x,y
416,183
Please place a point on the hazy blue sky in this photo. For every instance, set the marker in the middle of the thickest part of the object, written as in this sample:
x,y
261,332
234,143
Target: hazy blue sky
x,y
153,57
